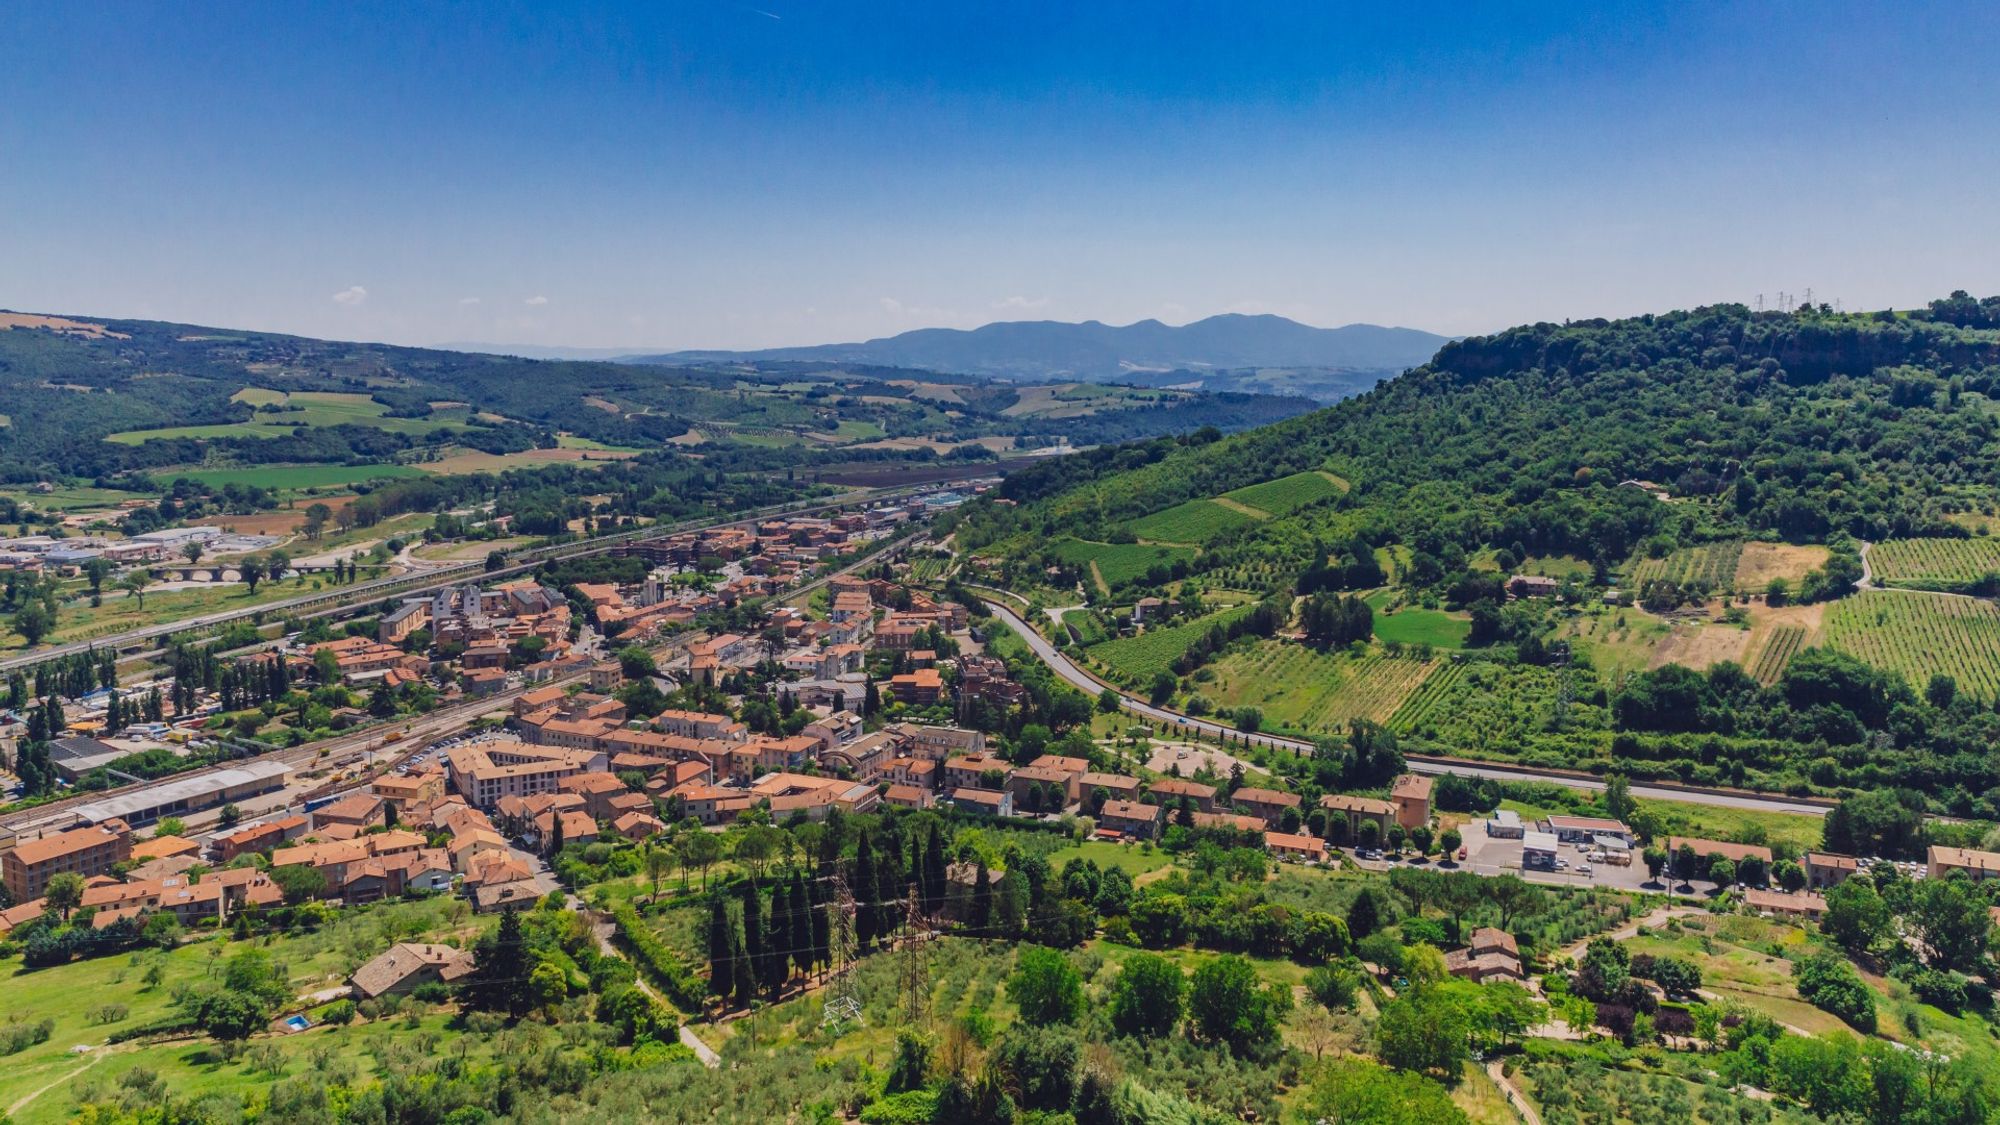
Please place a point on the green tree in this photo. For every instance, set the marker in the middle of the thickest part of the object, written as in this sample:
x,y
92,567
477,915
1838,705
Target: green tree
x,y
1426,1030
1359,1092
1229,1006
34,621
1950,921
251,570
1147,997
499,968
64,893
1046,987
1856,917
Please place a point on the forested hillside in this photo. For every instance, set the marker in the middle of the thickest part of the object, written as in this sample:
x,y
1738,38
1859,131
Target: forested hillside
x,y
1692,492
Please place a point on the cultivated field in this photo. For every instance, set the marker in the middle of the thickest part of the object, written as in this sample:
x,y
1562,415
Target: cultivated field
x,y
1783,643
1117,563
1713,563
317,408
1935,564
1698,645
1920,635
1288,494
292,476
1312,692
1196,521
474,461
1142,657
1415,626
1761,562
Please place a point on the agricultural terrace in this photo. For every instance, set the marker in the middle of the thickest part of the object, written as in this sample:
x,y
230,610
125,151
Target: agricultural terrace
x,y
314,408
1140,658
1288,494
1116,564
1921,635
1311,692
293,476
1196,521
1414,626
1935,564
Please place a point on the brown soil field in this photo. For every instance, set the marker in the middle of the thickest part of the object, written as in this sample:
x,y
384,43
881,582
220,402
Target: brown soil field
x,y
9,321
1700,645
476,462
1762,562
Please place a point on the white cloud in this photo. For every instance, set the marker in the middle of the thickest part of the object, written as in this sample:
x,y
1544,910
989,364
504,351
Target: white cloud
x,y
467,302
350,296
1021,304
537,301
894,307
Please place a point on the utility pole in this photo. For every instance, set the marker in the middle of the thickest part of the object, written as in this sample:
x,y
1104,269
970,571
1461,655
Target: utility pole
x,y
915,969
843,1003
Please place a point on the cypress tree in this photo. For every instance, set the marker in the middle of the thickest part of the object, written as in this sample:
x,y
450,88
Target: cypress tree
x,y
866,880
982,901
771,955
822,924
754,933
721,980
801,941
744,964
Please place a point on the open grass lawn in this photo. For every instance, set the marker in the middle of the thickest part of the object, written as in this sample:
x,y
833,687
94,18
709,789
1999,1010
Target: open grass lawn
x,y
1715,822
571,441
476,461
1130,858
1619,641
1414,626
70,499
318,408
294,476
36,1085
77,621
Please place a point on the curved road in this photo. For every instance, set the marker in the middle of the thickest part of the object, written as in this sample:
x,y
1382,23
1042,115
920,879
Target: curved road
x,y
1090,684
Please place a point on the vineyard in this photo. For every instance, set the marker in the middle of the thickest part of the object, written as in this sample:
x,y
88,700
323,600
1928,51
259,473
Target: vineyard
x,y
1921,636
1288,494
1784,643
1117,563
1196,521
1085,628
1712,563
1492,709
1935,564
1311,692
1138,659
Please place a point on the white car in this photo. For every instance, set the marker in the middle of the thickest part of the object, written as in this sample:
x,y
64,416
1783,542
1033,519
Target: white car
x,y
1583,869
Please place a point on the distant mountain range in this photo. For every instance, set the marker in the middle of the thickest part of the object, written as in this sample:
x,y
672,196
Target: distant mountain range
x,y
1232,352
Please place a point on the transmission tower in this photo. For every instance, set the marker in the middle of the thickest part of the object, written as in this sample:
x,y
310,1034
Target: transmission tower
x,y
1559,656
843,1003
915,968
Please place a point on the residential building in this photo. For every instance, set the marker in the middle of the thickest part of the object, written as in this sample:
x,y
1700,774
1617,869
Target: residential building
x,y
1975,865
1411,794
405,965
80,851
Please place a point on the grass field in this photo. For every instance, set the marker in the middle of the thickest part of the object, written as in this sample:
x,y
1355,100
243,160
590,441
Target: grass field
x,y
1619,641
318,408
1762,562
1196,521
1154,651
1311,692
1084,627
1935,564
1288,494
77,621
70,499
571,441
294,476
1413,626
1920,635
1117,563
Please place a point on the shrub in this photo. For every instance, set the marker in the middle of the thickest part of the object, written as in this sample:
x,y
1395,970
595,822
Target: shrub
x,y
1829,982
18,1037
338,1012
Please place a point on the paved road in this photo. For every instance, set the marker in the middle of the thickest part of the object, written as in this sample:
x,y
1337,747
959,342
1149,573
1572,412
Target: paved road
x,y
1086,682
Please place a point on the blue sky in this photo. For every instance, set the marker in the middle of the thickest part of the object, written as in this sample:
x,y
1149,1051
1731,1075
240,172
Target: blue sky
x,y
723,175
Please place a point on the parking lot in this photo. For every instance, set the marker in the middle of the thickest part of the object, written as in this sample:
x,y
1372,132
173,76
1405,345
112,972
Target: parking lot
x,y
1486,855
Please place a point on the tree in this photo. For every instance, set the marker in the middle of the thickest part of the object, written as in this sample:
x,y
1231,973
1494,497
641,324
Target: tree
x,y
135,582
64,893
1046,987
1618,803
499,967
721,949
1229,1006
1041,1064
34,620
658,861
229,816
1108,701
1516,897
1363,916
757,846
1950,921
1789,874
1426,1030
1856,917
1147,998
911,1068
192,552
317,514
700,849
1333,986
1162,688
548,986
1827,981
299,883
1656,862
1350,1091
251,570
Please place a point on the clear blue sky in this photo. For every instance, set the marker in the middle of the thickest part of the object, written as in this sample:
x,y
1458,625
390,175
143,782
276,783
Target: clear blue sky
x,y
738,175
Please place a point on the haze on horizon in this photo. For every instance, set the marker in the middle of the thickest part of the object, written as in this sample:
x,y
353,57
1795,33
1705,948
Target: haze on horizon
x,y
728,176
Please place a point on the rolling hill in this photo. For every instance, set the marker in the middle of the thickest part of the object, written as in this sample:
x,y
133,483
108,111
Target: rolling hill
x,y
1213,352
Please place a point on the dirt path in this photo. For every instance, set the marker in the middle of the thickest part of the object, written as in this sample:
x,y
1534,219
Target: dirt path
x,y
1515,1097
28,1099
702,1051
1659,915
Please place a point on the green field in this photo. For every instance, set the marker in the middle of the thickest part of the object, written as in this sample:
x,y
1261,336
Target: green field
x,y
1085,627
1935,564
70,499
1712,563
1117,563
294,476
1288,494
571,441
318,408
1412,626
1492,709
1154,651
1920,635
1302,689
1784,643
1196,521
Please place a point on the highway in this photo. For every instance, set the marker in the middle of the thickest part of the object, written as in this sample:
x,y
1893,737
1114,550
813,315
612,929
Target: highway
x,y
351,597
1418,763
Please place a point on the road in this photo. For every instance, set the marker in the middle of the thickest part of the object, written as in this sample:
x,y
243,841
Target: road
x,y
1428,764
349,598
